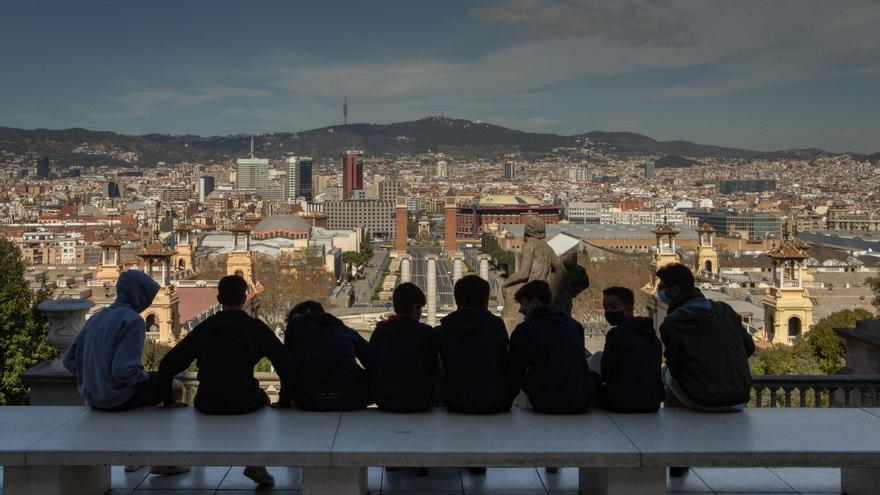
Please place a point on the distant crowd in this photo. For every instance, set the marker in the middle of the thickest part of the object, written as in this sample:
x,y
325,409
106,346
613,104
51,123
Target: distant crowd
x,y
467,364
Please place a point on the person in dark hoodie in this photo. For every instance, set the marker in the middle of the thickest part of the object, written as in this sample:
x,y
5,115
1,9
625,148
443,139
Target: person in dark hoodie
x,y
403,356
106,356
631,360
547,358
226,347
473,345
330,361
706,348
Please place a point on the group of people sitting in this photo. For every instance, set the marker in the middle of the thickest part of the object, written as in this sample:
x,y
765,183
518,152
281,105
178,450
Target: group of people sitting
x,y
467,364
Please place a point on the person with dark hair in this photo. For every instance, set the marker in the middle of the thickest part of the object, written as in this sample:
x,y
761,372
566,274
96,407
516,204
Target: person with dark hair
x,y
631,360
226,347
706,348
403,356
473,345
330,360
548,356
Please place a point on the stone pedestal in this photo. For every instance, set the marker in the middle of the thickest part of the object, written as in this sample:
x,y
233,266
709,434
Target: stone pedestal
x,y
49,381
457,266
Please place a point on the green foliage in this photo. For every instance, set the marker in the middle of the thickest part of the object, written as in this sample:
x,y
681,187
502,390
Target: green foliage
x,y
366,250
153,354
23,331
263,365
820,352
874,284
354,258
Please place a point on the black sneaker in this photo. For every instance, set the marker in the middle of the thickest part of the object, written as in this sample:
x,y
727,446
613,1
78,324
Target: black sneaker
x,y
477,470
678,472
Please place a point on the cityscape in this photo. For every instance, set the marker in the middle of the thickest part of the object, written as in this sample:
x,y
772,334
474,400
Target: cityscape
x,y
403,177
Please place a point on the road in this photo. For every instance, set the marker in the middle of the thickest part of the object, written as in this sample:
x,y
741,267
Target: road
x,y
444,275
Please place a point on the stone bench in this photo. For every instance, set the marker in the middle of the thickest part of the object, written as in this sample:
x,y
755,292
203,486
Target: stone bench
x,y
61,450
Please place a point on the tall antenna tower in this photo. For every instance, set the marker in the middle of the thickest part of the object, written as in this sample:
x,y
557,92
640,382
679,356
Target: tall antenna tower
x,y
345,110
252,147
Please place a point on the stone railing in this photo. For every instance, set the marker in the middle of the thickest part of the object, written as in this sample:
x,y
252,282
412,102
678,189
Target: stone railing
x,y
816,391
767,391
268,382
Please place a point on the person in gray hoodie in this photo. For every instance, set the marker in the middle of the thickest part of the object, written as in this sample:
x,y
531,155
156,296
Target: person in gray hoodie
x,y
106,355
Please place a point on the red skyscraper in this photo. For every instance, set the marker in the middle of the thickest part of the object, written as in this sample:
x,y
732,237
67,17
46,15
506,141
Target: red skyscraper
x,y
352,172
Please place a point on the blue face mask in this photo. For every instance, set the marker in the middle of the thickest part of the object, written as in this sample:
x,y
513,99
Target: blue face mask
x,y
661,294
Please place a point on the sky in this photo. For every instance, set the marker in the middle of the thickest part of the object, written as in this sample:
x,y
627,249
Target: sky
x,y
757,74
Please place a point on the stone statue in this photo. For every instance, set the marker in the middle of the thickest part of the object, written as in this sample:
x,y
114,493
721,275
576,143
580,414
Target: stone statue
x,y
569,281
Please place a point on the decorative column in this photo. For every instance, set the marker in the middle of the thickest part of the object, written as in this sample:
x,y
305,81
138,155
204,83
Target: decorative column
x,y
484,266
50,382
457,265
432,289
406,268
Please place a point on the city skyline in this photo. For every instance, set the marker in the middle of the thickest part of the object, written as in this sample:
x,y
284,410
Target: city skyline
x,y
753,76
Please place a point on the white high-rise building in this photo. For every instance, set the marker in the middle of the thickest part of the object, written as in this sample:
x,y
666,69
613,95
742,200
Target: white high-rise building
x,y
442,169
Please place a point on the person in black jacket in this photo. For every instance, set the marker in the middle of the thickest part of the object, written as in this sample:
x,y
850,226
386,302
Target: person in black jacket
x,y
330,361
403,356
473,346
631,361
226,347
548,355
707,347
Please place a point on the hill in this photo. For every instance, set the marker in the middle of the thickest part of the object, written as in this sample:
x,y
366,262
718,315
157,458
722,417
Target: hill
x,y
454,136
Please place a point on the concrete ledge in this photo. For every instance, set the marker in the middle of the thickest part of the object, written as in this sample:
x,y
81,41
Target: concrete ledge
x,y
148,436
755,438
56,480
23,426
519,438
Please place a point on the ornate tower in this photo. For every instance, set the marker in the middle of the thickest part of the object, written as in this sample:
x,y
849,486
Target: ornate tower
x,y
707,256
241,259
788,310
401,219
183,252
163,316
108,272
665,253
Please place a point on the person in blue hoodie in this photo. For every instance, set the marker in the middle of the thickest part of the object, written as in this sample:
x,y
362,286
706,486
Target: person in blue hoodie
x,y
547,358
403,356
631,360
106,356
330,361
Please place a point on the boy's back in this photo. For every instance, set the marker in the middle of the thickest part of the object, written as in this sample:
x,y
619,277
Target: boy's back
x,y
403,364
473,346
631,364
227,346
326,354
548,361
106,355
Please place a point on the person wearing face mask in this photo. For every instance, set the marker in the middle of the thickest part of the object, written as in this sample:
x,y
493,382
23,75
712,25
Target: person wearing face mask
x,y
631,361
403,356
547,357
706,346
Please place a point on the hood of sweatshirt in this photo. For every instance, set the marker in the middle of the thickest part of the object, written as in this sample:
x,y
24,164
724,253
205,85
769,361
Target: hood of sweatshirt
x,y
465,321
136,289
643,327
694,314
549,312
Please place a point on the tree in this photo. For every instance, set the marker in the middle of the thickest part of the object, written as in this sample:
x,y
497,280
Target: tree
x,y
23,331
353,258
289,279
874,283
153,354
825,345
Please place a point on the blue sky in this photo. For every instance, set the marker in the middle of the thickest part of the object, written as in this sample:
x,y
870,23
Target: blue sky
x,y
761,74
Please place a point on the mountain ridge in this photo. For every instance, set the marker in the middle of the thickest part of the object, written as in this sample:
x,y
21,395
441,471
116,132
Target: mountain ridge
x,y
440,134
